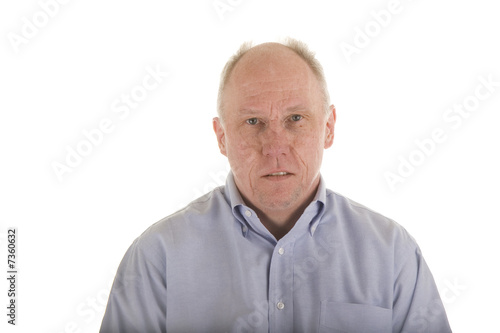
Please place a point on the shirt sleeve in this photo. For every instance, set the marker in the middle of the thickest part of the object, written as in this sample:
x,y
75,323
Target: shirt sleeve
x,y
417,306
137,301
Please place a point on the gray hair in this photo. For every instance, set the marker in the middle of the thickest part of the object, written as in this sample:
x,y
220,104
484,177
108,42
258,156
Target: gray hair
x,y
300,48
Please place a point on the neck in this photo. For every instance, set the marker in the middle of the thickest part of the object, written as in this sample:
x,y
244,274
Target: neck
x,y
280,222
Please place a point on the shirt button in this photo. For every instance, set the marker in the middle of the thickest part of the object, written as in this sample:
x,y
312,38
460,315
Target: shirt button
x,y
248,213
281,251
280,305
313,229
244,228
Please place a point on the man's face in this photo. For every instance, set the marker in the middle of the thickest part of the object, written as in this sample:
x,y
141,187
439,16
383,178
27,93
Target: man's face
x,y
274,128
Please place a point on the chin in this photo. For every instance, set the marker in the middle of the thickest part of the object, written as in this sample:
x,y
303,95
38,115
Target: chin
x,y
280,200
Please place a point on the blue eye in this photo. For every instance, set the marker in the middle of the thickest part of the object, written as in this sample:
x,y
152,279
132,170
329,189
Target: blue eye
x,y
296,117
252,121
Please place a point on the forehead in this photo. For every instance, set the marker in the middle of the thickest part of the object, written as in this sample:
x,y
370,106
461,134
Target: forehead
x,y
271,75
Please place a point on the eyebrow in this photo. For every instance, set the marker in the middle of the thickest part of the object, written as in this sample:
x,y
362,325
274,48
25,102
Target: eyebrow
x,y
288,110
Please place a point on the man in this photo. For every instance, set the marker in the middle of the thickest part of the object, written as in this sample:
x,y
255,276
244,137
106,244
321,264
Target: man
x,y
274,250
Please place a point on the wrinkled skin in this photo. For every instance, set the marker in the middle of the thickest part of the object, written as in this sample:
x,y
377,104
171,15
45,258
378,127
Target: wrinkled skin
x,y
274,121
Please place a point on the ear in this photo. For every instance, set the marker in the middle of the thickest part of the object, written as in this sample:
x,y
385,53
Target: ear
x,y
330,125
221,135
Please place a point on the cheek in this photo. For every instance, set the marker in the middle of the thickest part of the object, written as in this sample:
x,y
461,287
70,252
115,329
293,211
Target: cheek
x,y
244,145
241,150
310,147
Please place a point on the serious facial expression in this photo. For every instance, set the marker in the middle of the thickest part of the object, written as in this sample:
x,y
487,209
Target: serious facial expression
x,y
275,128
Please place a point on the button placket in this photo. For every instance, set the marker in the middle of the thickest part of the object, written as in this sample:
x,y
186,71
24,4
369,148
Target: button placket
x,y
281,288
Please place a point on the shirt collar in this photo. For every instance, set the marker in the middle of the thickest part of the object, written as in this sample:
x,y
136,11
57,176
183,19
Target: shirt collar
x,y
314,210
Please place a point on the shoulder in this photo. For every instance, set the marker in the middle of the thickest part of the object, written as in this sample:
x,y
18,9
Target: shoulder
x,y
204,213
366,225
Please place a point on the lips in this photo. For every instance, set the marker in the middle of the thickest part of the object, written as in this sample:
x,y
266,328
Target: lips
x,y
277,175
281,173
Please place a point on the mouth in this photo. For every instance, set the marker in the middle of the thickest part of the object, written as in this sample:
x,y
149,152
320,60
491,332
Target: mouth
x,y
282,173
277,176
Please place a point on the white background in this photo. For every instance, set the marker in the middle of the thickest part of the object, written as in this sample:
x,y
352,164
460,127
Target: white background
x,y
65,78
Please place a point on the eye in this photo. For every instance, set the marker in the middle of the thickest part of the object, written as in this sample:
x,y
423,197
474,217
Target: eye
x,y
252,121
296,117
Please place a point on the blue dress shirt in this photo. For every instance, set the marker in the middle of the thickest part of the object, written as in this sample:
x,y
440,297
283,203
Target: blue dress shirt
x,y
213,267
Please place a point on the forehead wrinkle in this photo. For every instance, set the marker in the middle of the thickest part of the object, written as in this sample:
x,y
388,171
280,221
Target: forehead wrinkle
x,y
248,77
288,81
260,93
281,105
268,86
249,90
255,89
285,105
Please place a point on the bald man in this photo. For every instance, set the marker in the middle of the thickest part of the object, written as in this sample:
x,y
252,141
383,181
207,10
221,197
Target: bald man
x,y
274,250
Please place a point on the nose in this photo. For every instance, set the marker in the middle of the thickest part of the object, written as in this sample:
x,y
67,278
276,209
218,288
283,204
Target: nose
x,y
275,141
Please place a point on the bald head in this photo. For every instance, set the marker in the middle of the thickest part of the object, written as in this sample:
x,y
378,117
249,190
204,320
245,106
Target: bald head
x,y
269,58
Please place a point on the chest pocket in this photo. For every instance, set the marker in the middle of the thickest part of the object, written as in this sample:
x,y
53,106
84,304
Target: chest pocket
x,y
338,317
